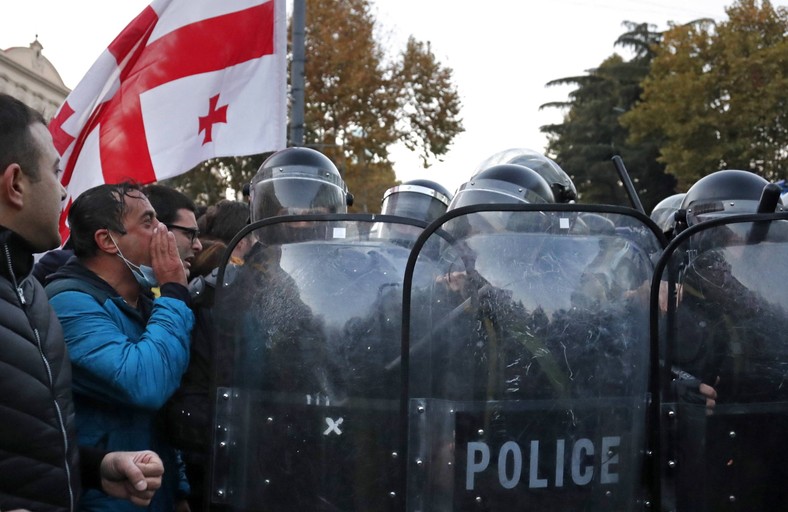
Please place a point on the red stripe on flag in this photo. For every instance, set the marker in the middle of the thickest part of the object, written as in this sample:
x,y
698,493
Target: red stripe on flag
x,y
201,47
119,48
134,37
63,226
60,138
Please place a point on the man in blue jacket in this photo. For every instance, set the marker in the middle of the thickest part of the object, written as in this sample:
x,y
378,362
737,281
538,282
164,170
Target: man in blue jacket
x,y
128,351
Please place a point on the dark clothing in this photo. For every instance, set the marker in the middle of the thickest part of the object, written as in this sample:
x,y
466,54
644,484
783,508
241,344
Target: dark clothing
x,y
127,362
38,448
50,263
189,409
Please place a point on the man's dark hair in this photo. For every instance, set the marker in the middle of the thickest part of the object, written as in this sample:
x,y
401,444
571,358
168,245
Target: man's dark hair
x,y
101,207
16,141
167,201
225,219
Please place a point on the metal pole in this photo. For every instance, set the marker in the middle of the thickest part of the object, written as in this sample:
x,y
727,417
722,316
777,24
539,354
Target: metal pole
x,y
297,73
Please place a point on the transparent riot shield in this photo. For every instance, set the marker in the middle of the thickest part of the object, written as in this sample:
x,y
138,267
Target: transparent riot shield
x,y
307,415
722,329
527,355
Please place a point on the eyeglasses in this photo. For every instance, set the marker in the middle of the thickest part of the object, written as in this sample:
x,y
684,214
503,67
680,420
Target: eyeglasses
x,y
192,233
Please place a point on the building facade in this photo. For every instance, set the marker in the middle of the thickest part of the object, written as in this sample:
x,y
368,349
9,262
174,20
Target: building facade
x,y
29,76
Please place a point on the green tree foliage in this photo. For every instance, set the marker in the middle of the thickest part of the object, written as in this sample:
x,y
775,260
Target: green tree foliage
x,y
717,97
360,101
591,134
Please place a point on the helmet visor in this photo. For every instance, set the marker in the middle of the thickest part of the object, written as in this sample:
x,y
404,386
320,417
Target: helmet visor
x,y
414,204
296,190
700,211
493,192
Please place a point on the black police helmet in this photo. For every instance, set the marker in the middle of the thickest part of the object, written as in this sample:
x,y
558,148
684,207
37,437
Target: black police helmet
x,y
503,184
561,184
297,181
725,192
416,199
664,214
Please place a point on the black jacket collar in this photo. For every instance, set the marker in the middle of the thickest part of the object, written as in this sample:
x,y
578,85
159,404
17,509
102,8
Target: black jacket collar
x,y
20,253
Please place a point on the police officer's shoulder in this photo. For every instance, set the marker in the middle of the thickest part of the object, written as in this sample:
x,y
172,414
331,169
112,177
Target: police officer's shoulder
x,y
201,287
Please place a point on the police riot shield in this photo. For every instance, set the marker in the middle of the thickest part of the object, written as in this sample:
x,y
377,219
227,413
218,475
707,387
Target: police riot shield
x,y
527,355
721,319
307,416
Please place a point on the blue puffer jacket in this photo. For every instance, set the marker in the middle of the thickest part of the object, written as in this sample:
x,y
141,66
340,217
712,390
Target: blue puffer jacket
x,y
126,363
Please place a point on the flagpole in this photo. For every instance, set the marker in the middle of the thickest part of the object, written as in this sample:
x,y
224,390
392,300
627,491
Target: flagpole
x,y
297,73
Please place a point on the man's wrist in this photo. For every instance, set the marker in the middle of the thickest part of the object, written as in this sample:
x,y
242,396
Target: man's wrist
x,y
90,465
175,291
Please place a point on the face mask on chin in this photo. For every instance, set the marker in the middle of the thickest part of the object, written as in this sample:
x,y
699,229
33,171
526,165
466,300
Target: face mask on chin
x,y
144,274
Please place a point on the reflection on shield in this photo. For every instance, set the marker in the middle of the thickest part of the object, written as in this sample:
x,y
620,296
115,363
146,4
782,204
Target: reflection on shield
x,y
725,327
528,362
308,418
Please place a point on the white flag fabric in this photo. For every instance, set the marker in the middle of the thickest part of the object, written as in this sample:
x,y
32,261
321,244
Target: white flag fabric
x,y
186,80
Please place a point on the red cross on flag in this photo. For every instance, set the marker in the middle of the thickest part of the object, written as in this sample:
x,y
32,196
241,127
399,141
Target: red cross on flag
x,y
186,81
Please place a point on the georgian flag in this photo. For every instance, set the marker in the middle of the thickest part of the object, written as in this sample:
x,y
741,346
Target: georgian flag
x,y
186,80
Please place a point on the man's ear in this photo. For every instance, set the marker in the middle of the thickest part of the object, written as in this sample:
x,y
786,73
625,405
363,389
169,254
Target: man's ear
x,y
104,242
12,186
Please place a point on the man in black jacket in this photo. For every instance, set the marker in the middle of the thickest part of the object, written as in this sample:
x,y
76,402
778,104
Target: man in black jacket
x,y
39,458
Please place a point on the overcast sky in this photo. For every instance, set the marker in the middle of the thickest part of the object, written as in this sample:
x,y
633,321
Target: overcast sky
x,y
503,52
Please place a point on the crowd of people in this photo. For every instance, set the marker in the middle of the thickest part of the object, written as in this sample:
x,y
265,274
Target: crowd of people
x,y
108,341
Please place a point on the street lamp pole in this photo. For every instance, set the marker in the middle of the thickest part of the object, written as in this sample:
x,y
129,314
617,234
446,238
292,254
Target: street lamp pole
x,y
297,73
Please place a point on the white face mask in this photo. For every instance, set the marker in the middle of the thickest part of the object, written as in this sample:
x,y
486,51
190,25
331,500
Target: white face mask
x,y
144,274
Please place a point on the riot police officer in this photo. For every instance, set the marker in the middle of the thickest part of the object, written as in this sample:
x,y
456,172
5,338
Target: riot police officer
x,y
707,281
419,199
297,181
308,318
513,329
416,199
725,192
724,347
293,181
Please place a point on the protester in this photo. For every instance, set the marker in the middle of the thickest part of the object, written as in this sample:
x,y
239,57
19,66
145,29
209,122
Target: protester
x,y
128,350
223,221
176,211
38,449
208,260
